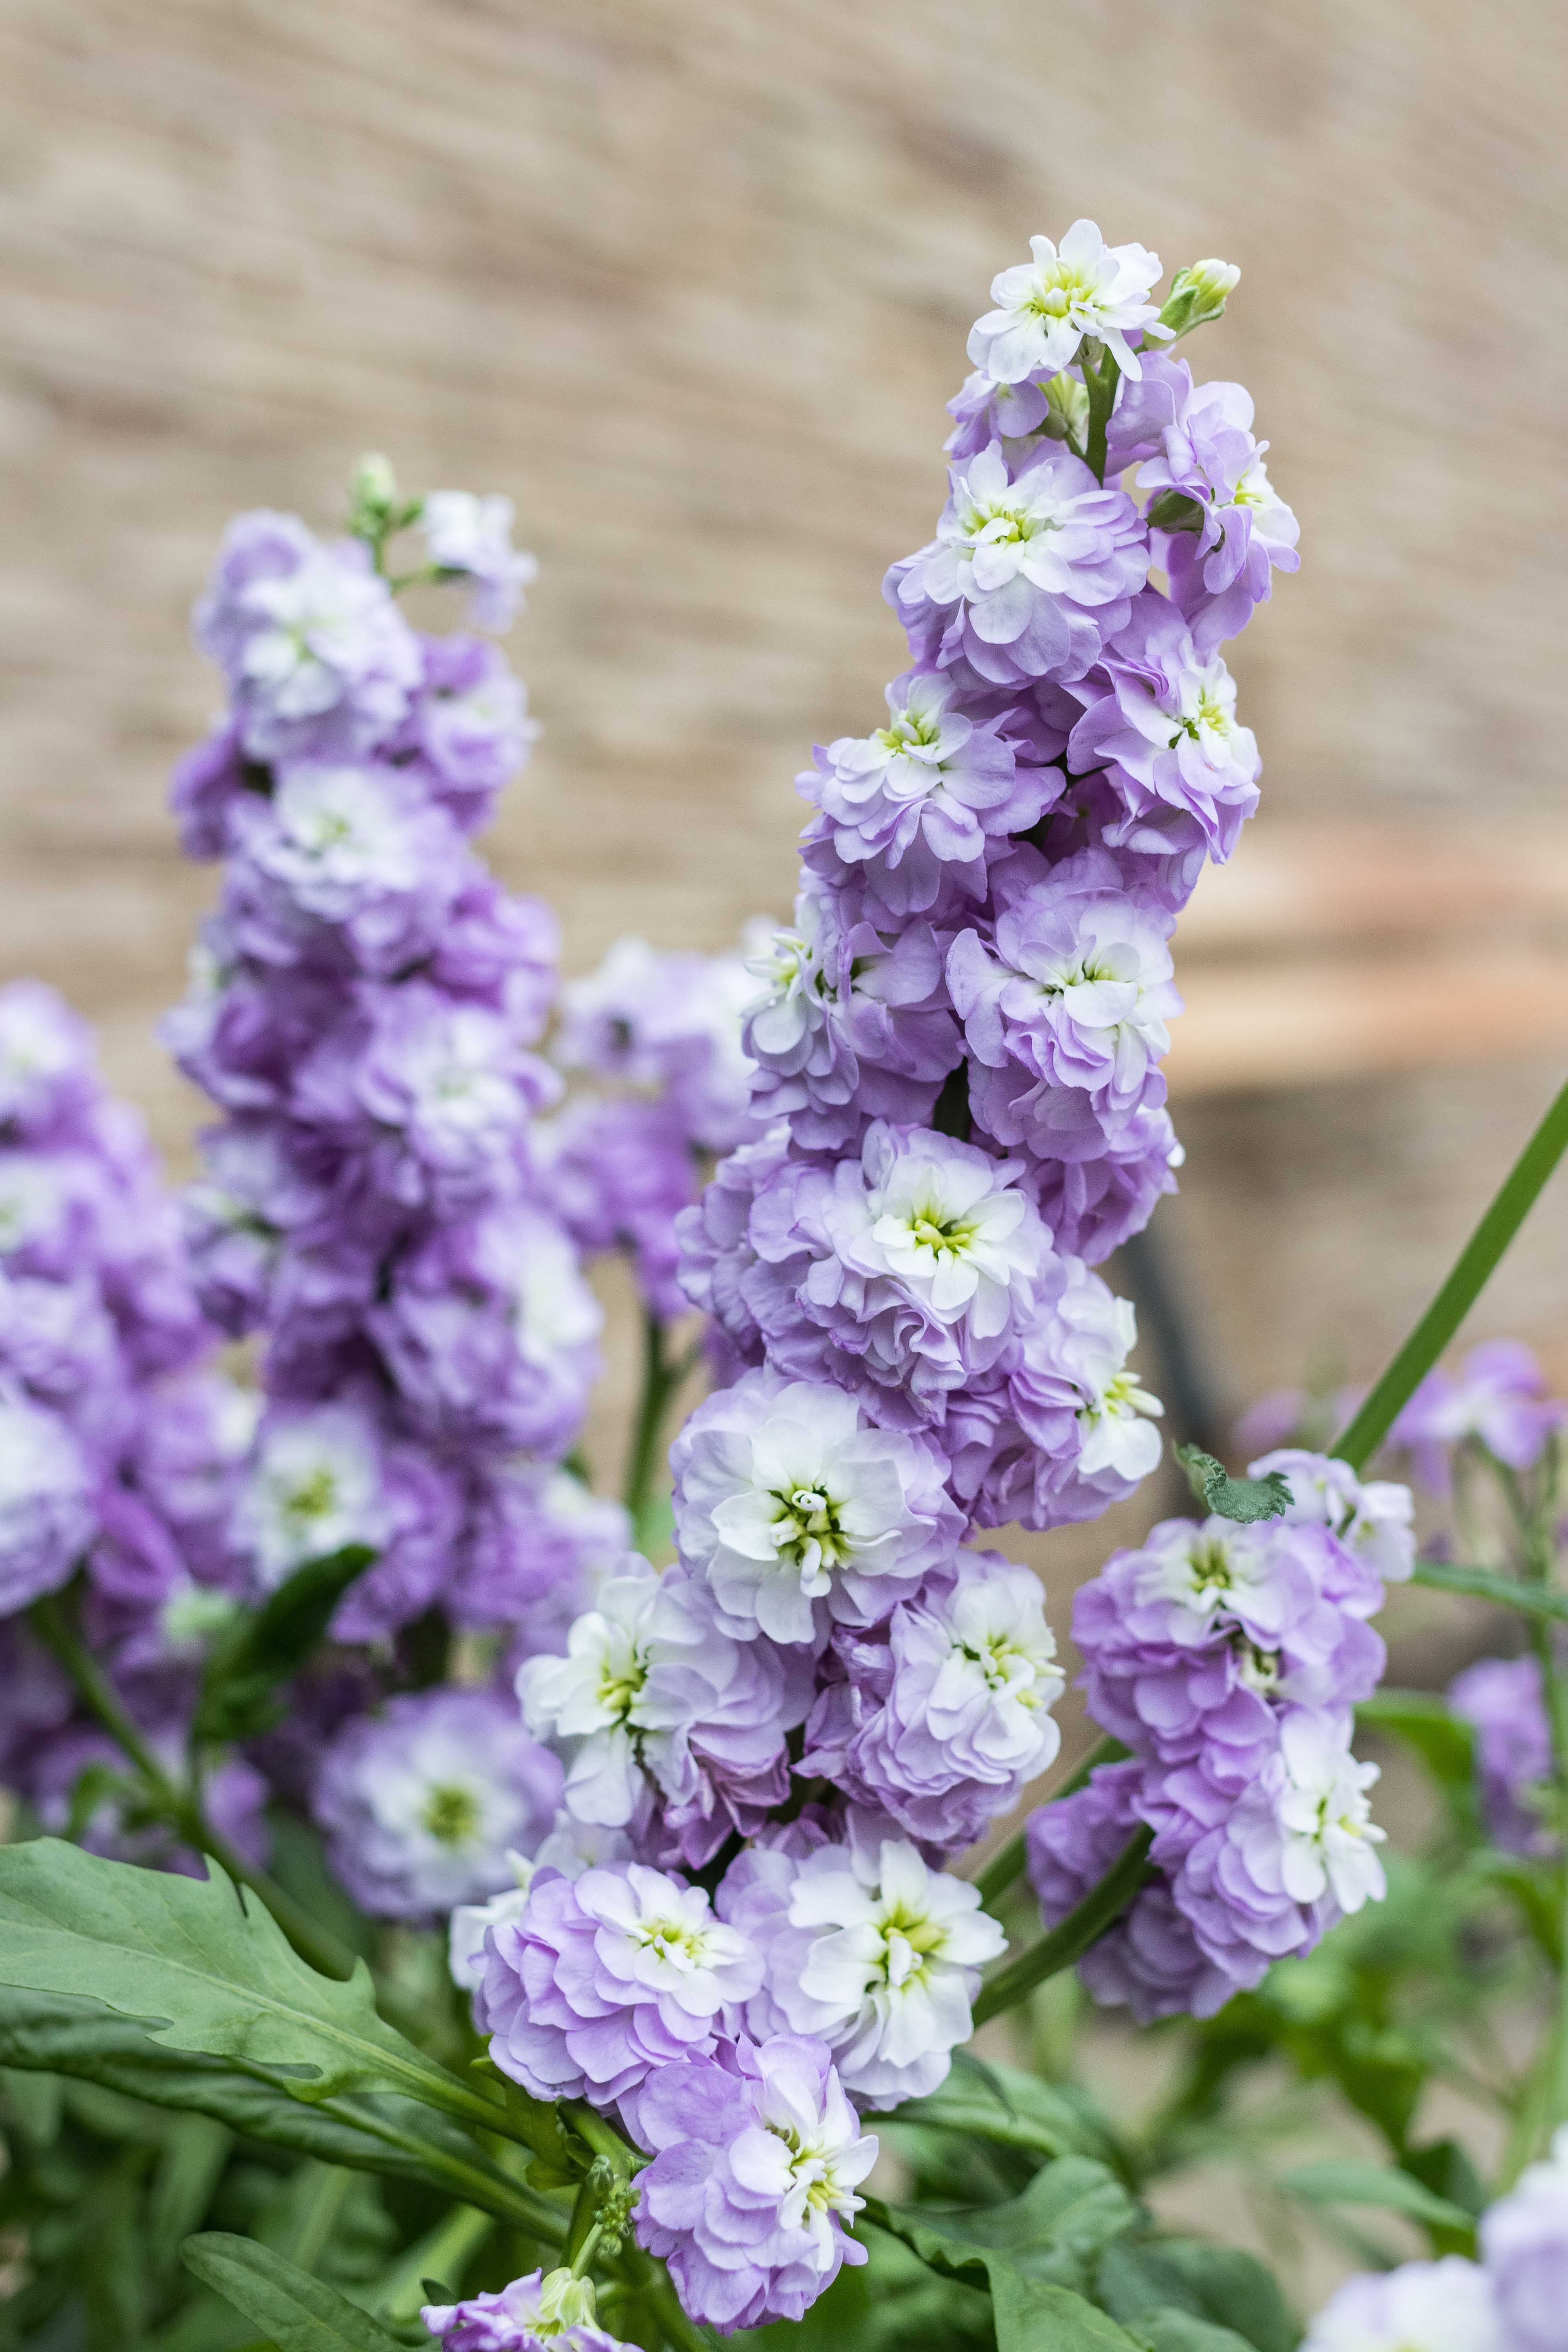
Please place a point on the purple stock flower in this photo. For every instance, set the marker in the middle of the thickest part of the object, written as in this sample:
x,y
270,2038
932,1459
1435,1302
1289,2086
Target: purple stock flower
x,y
204,787
490,1332
757,2156
852,1024
1191,1641
1374,1518
939,1725
604,1980
1498,1398
667,1023
1065,1008
672,1728
619,1174
1449,2305
715,1244
1044,307
535,1545
1029,572
1245,531
795,1509
536,2313
1502,1699
343,861
904,1272
48,1511
470,538
319,659
1164,716
1092,1206
1524,2245
865,1947
421,1803
918,801
468,725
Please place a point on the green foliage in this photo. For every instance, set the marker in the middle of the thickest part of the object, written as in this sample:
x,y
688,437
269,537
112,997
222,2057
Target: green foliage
x,y
1245,1500
262,1647
290,2309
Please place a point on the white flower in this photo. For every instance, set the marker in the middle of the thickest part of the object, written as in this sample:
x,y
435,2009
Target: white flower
x,y
1323,1815
41,1042
593,1696
1444,2306
1046,306
999,1681
338,832
661,1936
314,1486
785,1496
555,1310
996,531
807,2153
323,622
797,984
951,1227
472,536
882,1964
471,1922
1115,1414
1372,1518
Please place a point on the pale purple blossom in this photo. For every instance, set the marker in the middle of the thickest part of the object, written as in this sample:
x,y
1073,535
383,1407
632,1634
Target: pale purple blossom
x,y
866,1948
1245,530
553,2313
1164,716
535,1544
794,1508
422,1802
851,1023
1525,2246
714,1240
1496,1399
469,538
619,1173
468,725
1091,1206
668,1024
604,1980
1449,2305
319,661
939,1723
757,2157
1504,1701
47,1502
1372,1518
1028,573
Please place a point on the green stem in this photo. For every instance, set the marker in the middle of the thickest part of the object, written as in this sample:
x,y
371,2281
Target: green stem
x,y
662,1376
1515,1198
312,1943
1007,1862
1071,1937
444,2254
1490,1584
506,2200
1099,380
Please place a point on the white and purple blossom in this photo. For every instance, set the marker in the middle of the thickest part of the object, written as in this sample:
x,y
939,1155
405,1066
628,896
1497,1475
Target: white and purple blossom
x,y
1496,1399
1504,1702
48,1507
1047,306
319,662
788,1497
1525,2246
469,538
554,2312
1449,2305
424,1803
1244,530
603,1979
757,2157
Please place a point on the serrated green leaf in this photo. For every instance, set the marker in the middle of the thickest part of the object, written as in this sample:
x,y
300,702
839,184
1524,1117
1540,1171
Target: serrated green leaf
x,y
263,1647
1222,2284
294,2311
206,1968
1350,2180
1071,2209
1246,1500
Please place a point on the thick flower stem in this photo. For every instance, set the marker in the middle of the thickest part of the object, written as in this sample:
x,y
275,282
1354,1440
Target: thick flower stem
x,y
1515,1198
313,1944
1070,1937
1099,383
662,1376
1007,1862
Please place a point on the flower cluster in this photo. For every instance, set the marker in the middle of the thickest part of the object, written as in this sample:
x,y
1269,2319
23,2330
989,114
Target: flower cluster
x,y
1228,1659
120,1442
1510,2301
658,1037
1496,1400
364,1007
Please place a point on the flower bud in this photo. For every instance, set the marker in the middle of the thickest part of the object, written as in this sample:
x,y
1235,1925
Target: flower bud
x,y
564,2302
1174,511
374,489
1066,410
1198,295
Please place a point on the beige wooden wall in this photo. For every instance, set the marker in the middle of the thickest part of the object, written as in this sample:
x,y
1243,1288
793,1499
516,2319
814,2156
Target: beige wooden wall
x,y
690,280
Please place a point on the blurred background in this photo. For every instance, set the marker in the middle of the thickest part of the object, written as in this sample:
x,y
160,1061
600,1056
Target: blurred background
x,y
691,282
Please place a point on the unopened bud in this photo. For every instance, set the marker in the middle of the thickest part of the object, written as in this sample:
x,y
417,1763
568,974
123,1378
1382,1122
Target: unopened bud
x,y
1172,510
1066,410
563,2302
1198,295
372,492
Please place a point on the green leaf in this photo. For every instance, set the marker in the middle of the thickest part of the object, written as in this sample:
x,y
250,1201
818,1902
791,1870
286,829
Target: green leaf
x,y
388,2136
1219,2283
1243,1499
1071,2211
1350,2180
263,1647
985,2100
205,1967
1171,2329
294,2311
1486,1584
1034,2318
1445,1745
196,2152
